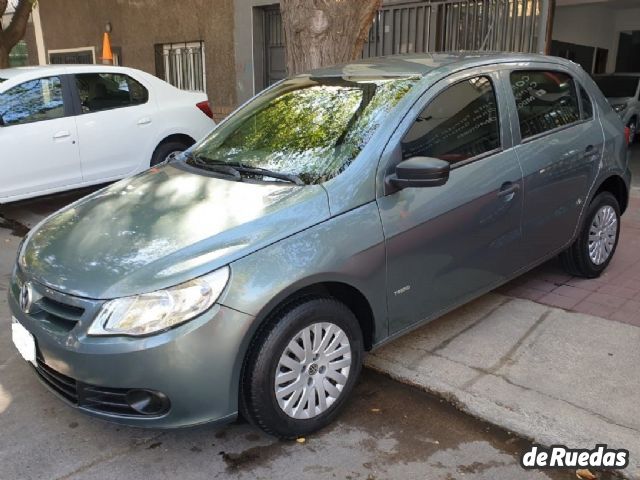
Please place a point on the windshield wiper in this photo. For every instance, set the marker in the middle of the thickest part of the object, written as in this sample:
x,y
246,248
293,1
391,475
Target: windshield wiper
x,y
265,172
215,166
237,169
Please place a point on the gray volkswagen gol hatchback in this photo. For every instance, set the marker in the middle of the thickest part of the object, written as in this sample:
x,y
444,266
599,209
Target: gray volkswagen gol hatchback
x,y
331,213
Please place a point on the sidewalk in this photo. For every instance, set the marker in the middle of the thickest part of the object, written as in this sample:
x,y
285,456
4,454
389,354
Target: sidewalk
x,y
549,375
555,375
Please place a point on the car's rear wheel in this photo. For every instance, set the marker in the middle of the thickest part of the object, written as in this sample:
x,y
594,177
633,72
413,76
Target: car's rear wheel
x,y
302,367
595,246
166,150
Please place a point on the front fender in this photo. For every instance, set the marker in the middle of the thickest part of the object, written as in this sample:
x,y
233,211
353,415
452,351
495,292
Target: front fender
x,y
348,249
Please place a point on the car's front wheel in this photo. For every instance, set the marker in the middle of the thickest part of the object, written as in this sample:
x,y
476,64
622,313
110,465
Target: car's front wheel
x,y
302,367
598,239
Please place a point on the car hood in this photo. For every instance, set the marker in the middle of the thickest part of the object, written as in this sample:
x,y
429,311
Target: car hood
x,y
161,228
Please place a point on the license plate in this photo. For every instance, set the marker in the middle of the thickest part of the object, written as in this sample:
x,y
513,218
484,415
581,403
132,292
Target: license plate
x,y
24,341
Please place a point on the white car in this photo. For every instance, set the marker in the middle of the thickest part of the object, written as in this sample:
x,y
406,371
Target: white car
x,y
69,126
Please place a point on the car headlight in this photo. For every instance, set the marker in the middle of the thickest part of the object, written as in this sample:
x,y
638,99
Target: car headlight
x,y
620,107
158,311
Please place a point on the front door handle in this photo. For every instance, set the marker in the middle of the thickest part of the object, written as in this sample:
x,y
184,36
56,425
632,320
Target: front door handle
x,y
508,190
144,121
61,134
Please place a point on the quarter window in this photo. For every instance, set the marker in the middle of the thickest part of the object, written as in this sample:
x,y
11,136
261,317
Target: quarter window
x,y
105,91
32,101
545,100
458,124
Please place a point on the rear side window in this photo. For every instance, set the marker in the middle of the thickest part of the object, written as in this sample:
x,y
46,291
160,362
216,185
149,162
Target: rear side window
x,y
32,101
587,105
545,100
459,123
106,91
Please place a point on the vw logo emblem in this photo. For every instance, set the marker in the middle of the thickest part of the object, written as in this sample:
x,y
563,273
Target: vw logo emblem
x,y
26,297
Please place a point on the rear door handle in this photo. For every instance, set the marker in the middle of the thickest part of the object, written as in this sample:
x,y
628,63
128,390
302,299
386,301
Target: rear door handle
x,y
144,121
508,190
61,134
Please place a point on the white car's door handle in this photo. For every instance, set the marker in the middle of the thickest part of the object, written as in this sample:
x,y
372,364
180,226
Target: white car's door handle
x,y
61,134
144,121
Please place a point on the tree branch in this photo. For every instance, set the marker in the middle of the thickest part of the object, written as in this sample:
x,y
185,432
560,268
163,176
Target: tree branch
x,y
18,26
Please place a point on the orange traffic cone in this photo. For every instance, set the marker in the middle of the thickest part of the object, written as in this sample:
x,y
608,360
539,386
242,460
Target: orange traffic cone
x,y
107,54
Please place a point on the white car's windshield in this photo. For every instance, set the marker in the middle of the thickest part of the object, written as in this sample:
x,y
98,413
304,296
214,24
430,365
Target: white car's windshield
x,y
309,129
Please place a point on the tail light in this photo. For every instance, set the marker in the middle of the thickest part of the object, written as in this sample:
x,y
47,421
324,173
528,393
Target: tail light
x,y
627,135
205,108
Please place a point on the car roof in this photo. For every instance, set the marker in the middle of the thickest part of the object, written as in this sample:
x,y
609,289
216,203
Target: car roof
x,y
43,70
423,63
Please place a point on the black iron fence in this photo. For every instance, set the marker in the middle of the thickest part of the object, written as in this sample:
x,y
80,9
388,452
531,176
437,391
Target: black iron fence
x,y
451,25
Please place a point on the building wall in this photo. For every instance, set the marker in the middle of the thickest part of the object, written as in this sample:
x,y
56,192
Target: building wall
x,y
584,25
137,25
626,19
595,26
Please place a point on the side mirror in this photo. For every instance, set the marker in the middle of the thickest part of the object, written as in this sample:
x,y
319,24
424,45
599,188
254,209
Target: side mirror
x,y
418,172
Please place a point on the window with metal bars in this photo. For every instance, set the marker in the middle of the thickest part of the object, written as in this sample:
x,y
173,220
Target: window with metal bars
x,y
182,65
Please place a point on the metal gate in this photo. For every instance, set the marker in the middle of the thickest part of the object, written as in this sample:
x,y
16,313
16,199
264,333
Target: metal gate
x,y
404,28
497,25
452,25
275,67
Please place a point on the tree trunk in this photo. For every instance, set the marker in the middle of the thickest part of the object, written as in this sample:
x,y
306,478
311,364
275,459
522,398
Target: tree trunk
x,y
318,33
16,29
4,57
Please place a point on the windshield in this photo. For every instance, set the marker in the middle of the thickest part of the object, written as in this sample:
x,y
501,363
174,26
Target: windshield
x,y
310,128
618,86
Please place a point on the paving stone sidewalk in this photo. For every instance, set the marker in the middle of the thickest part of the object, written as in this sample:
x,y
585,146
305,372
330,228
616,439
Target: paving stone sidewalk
x,y
613,296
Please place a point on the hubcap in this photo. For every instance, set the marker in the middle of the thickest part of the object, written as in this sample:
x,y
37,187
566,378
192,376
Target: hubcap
x,y
603,234
313,370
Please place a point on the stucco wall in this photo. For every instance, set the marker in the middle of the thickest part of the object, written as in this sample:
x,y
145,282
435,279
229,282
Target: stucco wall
x,y
584,25
140,24
595,26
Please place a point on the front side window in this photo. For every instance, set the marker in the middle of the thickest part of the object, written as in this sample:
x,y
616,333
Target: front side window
x,y
459,124
545,100
311,128
106,91
32,101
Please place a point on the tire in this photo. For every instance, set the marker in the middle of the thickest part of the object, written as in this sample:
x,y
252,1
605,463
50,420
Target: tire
x,y
578,260
289,415
165,149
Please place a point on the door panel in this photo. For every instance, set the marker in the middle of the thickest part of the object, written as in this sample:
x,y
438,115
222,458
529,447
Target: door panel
x,y
559,165
116,127
448,243
39,142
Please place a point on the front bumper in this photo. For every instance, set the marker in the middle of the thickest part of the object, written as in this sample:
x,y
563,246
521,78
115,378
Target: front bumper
x,y
196,365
